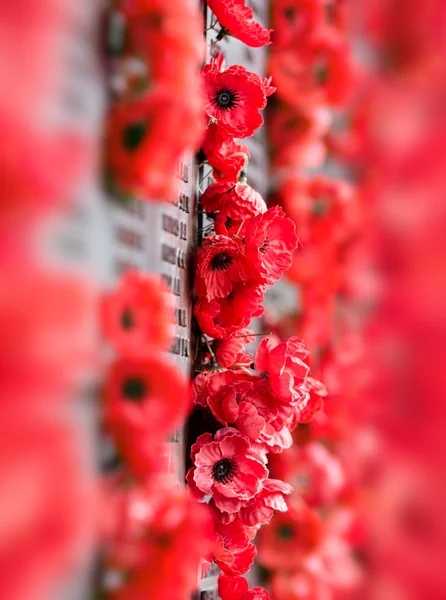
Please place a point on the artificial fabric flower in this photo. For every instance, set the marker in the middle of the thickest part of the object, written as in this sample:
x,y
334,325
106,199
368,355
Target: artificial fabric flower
x,y
221,317
234,97
137,314
145,139
221,262
260,509
156,538
319,73
246,402
302,584
223,153
319,475
237,588
270,239
229,470
284,363
230,350
237,20
238,201
231,549
290,537
146,397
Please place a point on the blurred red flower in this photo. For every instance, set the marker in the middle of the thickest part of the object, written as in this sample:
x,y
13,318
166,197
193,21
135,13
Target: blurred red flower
x,y
238,201
231,350
137,314
146,397
234,97
289,538
157,537
294,21
221,262
145,138
236,19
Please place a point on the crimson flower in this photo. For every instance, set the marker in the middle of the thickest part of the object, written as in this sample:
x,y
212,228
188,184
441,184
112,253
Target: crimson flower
x,y
237,588
270,240
290,537
221,317
221,262
137,314
284,364
301,584
223,153
146,397
231,349
146,138
237,19
234,97
229,469
318,73
157,536
231,548
295,20
316,393
260,509
238,201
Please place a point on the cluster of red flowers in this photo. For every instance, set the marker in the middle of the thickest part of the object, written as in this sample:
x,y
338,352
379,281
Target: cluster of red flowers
x,y
155,115
145,399
249,407
44,312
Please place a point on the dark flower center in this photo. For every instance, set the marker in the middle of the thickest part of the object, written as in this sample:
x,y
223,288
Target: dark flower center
x,y
285,532
127,321
263,248
290,13
134,388
134,134
221,262
224,470
320,72
320,207
226,99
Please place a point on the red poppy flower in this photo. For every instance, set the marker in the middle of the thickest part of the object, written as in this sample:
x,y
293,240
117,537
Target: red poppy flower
x,y
237,588
157,537
319,73
323,209
221,262
238,201
169,36
236,19
224,225
260,509
234,97
229,470
221,317
300,585
231,548
294,21
290,537
270,240
146,397
231,350
223,153
146,138
137,314
314,402
284,364
319,475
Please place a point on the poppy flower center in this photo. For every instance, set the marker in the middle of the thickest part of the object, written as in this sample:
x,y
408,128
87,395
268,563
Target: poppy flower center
x,y
320,207
320,72
226,99
127,321
221,262
134,388
133,135
285,532
263,248
224,470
